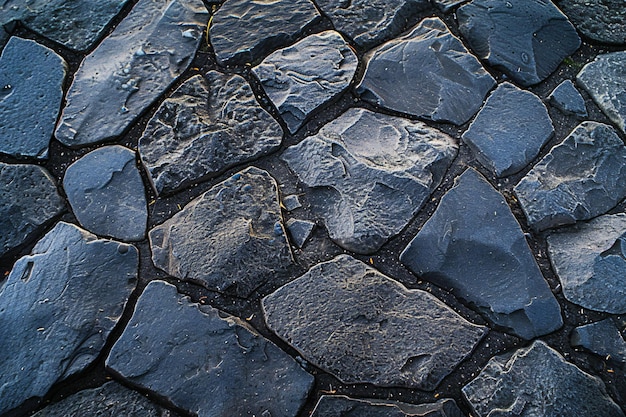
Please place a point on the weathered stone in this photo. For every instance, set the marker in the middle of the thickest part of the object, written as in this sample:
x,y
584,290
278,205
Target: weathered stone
x,y
301,78
57,308
205,127
447,5
292,202
205,362
537,382
509,131
579,179
602,338
299,230
130,69
363,327
527,39
568,100
427,73
369,174
599,20
231,238
342,406
474,247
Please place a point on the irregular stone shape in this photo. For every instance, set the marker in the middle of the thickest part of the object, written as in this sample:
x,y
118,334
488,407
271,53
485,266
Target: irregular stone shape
x,y
363,327
473,246
427,73
205,362
303,77
231,238
581,178
568,100
447,5
364,163
509,131
527,39
28,200
205,127
342,406
244,31
537,382
291,202
57,308
106,193
299,230
599,20
602,338
130,69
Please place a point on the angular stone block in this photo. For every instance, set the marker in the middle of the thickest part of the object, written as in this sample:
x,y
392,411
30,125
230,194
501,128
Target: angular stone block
x,y
568,100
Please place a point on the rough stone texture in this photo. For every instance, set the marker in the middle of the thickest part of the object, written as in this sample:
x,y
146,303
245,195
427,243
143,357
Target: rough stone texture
x,y
205,127
581,178
231,238
342,406
364,163
473,246
106,193
527,39
299,230
204,362
363,327
303,77
427,73
130,69
447,5
602,338
568,100
292,202
537,382
509,131
599,20
57,308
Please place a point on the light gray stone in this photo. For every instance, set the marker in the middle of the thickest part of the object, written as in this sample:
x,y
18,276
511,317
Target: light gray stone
x,y
602,338
568,100
342,406
600,20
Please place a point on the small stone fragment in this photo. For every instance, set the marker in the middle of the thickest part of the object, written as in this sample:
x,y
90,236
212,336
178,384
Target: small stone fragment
x,y
602,338
291,202
447,5
299,230
599,20
568,100
342,406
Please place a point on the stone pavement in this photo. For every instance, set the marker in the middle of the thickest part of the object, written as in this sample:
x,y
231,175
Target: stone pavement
x,y
298,208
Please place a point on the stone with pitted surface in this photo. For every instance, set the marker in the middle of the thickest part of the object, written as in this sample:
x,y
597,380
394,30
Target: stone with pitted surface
x,y
599,20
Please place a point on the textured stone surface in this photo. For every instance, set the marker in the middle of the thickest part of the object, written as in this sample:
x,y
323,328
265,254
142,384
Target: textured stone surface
x,y
527,39
581,178
602,338
509,130
473,246
364,163
568,100
57,308
299,230
427,73
342,406
600,20
537,382
205,362
364,327
292,202
304,76
130,69
447,5
205,127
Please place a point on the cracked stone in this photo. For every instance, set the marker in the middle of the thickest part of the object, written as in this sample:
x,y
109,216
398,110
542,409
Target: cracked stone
x,y
568,100
299,230
342,406
602,338
599,20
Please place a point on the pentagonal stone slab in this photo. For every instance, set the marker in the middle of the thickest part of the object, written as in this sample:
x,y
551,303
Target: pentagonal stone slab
x,y
342,406
568,100
602,338
57,308
427,73
473,246
364,163
599,20
205,362
364,327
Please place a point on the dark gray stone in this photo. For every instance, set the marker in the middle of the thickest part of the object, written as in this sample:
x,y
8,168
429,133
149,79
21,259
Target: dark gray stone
x,y
537,382
205,127
602,338
581,178
369,174
299,230
291,202
427,73
301,78
509,131
205,362
363,327
342,406
568,100
447,5
527,39
130,69
600,20
57,308
474,247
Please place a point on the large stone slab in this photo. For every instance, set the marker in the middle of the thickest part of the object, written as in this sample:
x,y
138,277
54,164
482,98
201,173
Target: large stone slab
x,y
342,406
473,246
57,308
205,127
602,338
205,362
369,174
579,179
363,327
130,69
568,100
427,73
599,20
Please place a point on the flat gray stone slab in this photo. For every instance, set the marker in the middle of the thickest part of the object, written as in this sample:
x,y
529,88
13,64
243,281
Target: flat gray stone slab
x,y
602,338
427,73
579,179
364,163
130,69
599,20
342,406
205,127
363,327
527,39
568,100
473,246
301,78
58,306
204,361
537,382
